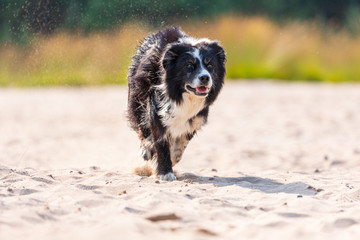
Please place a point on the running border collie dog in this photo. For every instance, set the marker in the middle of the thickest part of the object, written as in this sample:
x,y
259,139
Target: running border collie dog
x,y
172,82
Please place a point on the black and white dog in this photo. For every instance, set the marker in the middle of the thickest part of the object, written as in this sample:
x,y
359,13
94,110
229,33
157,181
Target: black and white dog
x,y
172,81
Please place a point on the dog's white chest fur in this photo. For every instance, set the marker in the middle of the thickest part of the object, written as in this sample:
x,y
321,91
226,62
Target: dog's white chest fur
x,y
177,119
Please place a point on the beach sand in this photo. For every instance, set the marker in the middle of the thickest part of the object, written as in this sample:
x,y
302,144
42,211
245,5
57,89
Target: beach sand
x,y
275,161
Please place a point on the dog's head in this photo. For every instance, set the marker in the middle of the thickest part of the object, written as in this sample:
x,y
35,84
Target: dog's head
x,y
194,69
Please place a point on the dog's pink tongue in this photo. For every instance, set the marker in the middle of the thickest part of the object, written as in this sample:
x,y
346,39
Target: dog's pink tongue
x,y
201,89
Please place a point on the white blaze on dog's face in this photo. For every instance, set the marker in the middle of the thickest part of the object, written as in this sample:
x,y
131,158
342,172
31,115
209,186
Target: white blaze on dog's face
x,y
200,80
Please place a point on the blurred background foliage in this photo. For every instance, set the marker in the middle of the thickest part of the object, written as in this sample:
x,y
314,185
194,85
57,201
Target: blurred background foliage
x,y
82,42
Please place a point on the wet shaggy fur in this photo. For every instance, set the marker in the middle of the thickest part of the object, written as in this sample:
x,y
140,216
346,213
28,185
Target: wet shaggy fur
x,y
172,82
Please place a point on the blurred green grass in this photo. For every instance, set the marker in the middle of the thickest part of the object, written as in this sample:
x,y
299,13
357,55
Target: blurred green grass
x,y
256,48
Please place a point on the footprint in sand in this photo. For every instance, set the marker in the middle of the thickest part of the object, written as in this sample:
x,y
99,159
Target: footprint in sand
x,y
15,192
43,180
344,222
87,187
293,215
351,197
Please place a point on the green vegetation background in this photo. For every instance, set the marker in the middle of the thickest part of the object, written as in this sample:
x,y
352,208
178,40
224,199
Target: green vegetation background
x,y
82,42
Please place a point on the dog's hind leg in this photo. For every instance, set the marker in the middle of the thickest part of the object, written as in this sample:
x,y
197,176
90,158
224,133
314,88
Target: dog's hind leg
x,y
146,149
146,145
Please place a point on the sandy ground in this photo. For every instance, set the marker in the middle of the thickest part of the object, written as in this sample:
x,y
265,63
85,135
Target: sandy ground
x,y
276,161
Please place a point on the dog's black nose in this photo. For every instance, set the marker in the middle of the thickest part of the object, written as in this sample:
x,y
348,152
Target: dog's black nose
x,y
204,79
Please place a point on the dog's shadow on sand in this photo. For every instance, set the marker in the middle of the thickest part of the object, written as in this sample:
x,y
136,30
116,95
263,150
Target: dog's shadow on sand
x,y
257,183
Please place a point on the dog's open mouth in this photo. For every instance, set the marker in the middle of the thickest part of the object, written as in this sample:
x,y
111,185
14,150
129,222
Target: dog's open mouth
x,y
200,91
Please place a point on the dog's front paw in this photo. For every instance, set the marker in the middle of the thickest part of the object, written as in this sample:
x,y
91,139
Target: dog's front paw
x,y
168,177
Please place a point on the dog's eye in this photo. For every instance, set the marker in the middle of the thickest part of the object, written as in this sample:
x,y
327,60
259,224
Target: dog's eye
x,y
190,67
210,67
206,61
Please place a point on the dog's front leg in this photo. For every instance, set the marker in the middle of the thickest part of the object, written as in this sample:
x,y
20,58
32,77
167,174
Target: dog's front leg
x,y
178,146
164,165
161,145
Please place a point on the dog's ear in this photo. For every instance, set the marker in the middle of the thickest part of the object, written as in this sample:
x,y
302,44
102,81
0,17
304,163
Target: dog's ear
x,y
171,55
219,52
169,58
